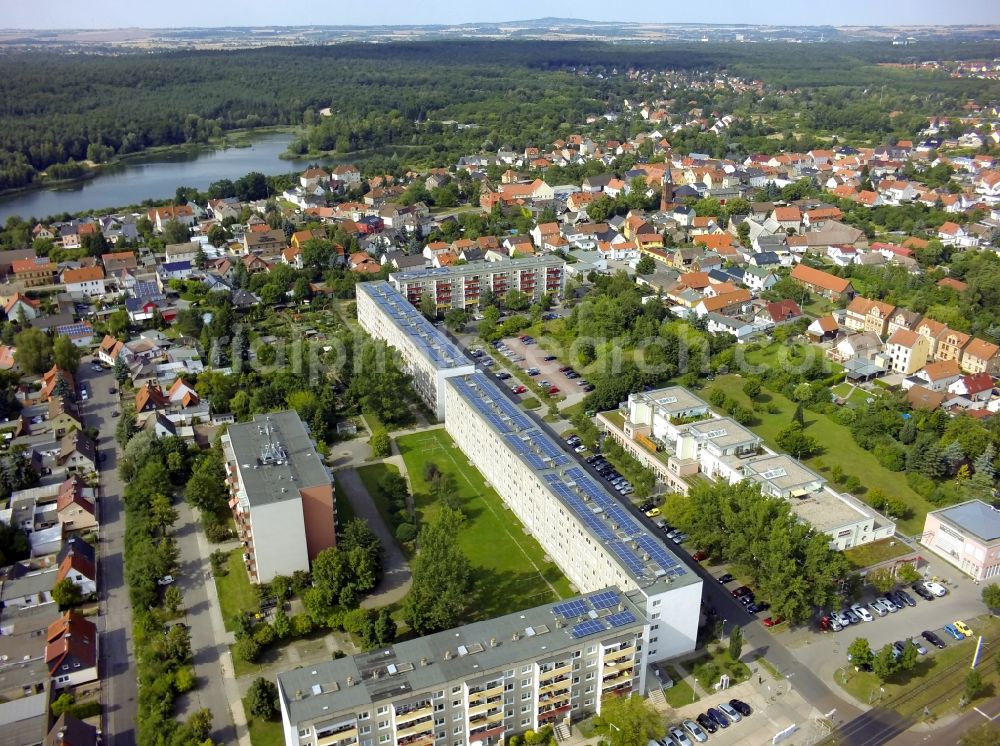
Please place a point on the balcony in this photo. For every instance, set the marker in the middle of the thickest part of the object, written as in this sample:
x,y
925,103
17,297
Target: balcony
x,y
555,686
421,740
486,712
419,729
610,668
340,738
619,679
620,653
488,693
405,715
562,670
485,734
484,707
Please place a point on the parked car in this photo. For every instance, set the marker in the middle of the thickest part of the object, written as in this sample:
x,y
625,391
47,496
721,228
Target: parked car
x,y
756,607
905,597
921,650
580,448
532,371
679,737
112,390
741,707
680,538
553,389
726,578
165,580
730,712
700,555
653,512
862,612
952,630
772,621
588,387
743,590
520,389
503,375
695,730
721,720
878,608
842,618
933,639
897,648
549,358
707,723
936,588
854,618
925,594
829,624
963,628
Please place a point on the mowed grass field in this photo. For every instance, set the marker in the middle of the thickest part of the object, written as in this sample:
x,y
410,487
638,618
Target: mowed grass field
x,y
838,444
509,566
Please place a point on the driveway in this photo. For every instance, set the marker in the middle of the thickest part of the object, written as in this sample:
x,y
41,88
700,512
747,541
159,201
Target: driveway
x,y
118,675
396,578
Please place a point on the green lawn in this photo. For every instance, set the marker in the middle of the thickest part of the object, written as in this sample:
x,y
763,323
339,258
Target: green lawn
x,y
236,595
344,510
370,476
510,571
708,669
681,693
840,448
867,555
937,681
263,732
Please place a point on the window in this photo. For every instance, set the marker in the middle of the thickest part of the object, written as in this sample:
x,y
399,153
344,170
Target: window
x,y
591,650
525,682
590,676
458,716
525,696
656,601
456,689
588,703
365,729
456,703
439,694
303,732
525,708
589,689
526,669
438,721
383,724
364,715
384,738
525,722
382,710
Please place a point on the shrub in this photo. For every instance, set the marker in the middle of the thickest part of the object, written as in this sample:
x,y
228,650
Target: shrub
x,y
381,444
246,649
302,625
218,532
262,697
264,635
406,532
185,680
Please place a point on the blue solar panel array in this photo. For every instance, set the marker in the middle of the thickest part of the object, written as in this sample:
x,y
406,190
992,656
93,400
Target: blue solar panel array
x,y
621,619
74,330
572,609
605,600
589,627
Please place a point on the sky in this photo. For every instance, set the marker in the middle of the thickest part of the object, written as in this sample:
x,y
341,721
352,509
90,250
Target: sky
x,y
62,14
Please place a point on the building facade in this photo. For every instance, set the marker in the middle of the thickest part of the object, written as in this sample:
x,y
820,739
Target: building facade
x,y
429,357
478,684
281,495
968,536
462,286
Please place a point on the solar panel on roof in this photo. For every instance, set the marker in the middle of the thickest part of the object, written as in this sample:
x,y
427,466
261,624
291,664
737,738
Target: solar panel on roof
x,y
621,619
571,609
605,600
589,627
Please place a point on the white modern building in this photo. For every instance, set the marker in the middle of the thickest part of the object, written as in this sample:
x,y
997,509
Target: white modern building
x,y
478,684
462,285
281,495
428,355
587,532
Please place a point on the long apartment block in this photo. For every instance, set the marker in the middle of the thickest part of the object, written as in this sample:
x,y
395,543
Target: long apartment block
x,y
588,533
461,286
428,355
480,683
281,495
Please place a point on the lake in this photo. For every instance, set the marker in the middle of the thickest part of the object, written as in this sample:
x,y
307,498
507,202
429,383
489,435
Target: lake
x,y
155,177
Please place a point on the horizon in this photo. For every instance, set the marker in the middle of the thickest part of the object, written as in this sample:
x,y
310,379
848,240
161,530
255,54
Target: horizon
x,y
61,15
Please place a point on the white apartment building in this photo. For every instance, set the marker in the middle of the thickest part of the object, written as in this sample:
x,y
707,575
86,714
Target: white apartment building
x,y
281,495
478,684
587,532
462,285
674,433
428,355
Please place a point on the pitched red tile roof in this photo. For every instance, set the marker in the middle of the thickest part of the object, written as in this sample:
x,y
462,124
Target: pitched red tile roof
x,y
819,278
71,636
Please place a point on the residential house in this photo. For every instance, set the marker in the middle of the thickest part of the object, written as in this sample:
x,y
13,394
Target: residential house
x,y
81,334
160,216
842,255
7,357
22,307
951,345
264,243
313,177
906,351
51,383
788,218
150,397
938,376
823,329
975,388
823,283
980,356
717,323
779,312
952,234
69,731
181,252
71,651
920,397
76,510
347,173
862,346
933,330
77,452
86,281
76,561
903,318
33,272
727,304
115,262
63,415
868,315
759,279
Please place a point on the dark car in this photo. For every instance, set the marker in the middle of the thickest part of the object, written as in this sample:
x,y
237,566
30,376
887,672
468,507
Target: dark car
x,y
112,390
572,374
905,597
721,720
707,723
756,608
741,707
742,591
727,578
549,358
700,555
932,638
589,387
925,594
564,368
747,599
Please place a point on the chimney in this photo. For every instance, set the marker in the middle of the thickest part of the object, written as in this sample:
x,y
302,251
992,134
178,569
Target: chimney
x,y
447,655
350,681
423,661
515,637
493,642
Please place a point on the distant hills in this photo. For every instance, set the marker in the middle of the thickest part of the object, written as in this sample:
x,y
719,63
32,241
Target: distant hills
x,y
574,29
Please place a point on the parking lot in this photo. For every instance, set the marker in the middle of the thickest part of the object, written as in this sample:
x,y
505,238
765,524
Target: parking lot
x,y
825,652
528,356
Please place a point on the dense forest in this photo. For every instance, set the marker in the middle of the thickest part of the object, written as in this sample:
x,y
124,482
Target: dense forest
x,y
63,109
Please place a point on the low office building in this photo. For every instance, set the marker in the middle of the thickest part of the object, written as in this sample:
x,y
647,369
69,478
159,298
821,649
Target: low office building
x,y
428,355
478,684
673,433
968,536
462,286
586,531
281,495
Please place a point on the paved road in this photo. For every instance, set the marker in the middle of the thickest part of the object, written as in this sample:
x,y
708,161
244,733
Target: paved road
x,y
193,578
396,572
117,667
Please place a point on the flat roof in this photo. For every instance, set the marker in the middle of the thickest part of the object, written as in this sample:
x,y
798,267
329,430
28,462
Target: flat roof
x,y
825,511
721,431
641,554
501,265
973,517
671,400
434,345
276,457
482,648
781,470
32,584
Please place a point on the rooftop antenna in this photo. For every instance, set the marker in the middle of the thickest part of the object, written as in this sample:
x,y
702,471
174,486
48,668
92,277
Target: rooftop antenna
x,y
272,451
